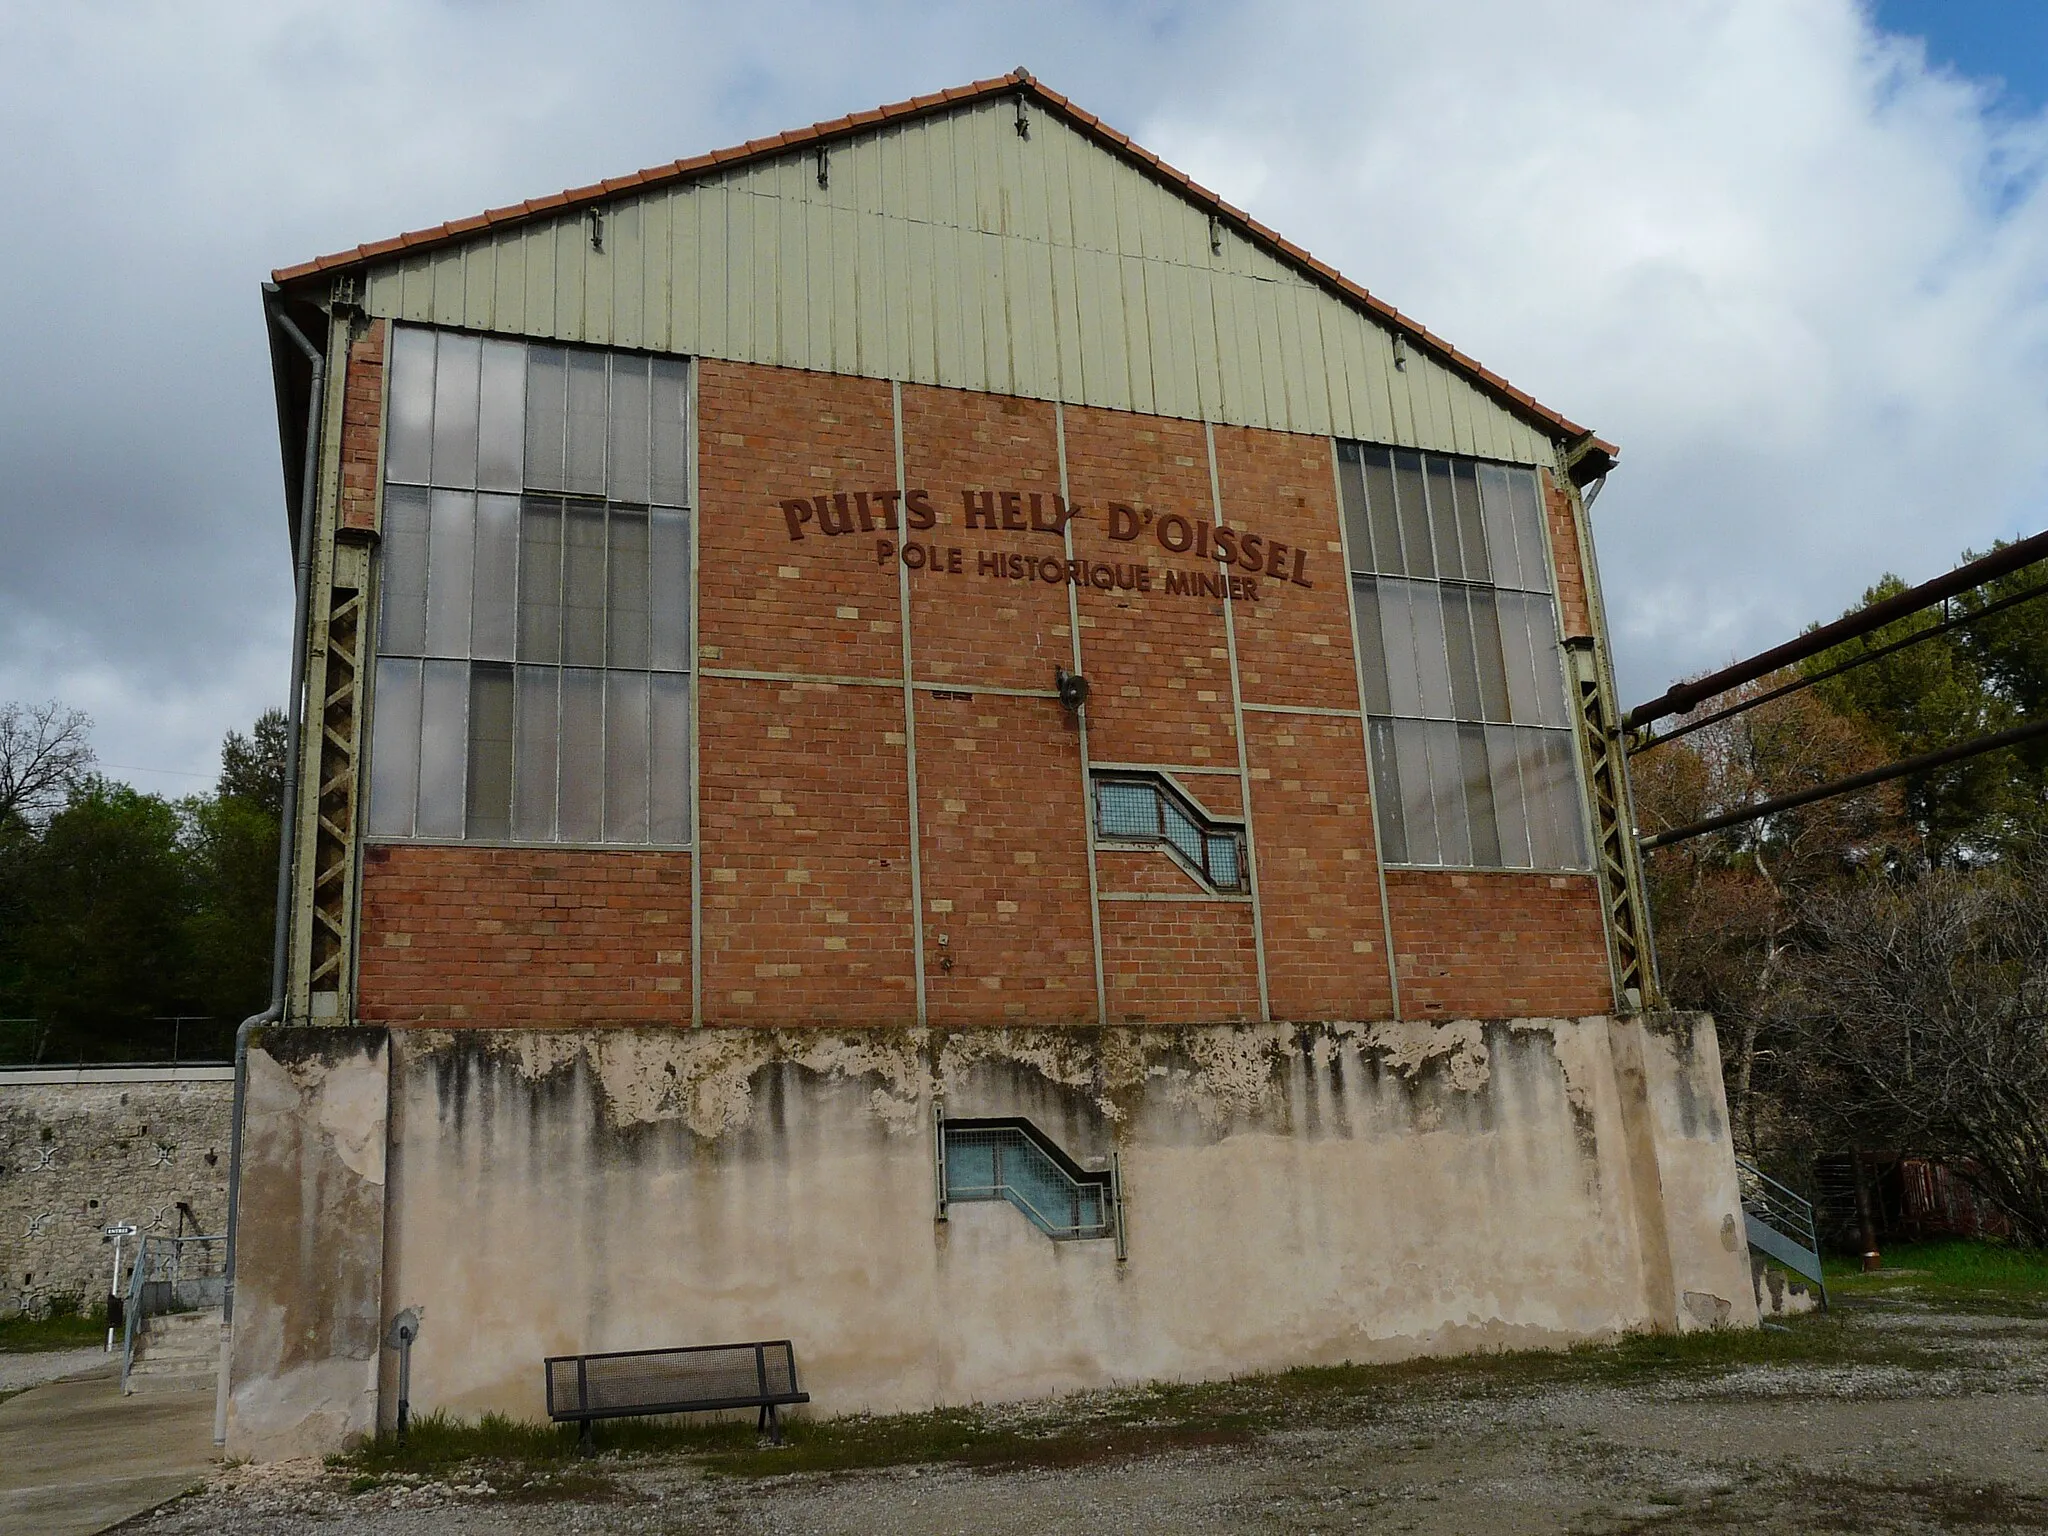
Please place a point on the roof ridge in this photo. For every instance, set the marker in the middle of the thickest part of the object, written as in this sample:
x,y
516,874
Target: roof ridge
x,y
1018,79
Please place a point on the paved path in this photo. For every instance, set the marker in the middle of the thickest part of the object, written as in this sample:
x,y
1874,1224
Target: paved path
x,y
77,1457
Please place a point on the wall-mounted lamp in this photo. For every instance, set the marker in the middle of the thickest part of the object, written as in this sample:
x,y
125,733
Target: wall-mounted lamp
x,y
1073,688
1401,354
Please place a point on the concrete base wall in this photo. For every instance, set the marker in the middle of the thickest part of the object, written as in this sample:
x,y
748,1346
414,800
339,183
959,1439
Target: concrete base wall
x,y
1294,1195
310,1241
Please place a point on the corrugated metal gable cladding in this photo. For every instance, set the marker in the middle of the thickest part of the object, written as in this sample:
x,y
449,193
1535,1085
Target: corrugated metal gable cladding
x,y
952,251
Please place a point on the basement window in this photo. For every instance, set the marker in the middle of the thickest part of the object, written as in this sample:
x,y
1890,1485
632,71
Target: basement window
x,y
534,626
1461,663
1014,1161
1142,808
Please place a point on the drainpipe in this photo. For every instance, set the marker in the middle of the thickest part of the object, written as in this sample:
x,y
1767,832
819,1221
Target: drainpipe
x,y
287,831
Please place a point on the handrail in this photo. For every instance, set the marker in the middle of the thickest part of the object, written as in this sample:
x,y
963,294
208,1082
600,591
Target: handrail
x,y
139,1277
1781,1224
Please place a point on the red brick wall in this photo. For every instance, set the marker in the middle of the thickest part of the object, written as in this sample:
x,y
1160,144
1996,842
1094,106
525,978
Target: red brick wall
x,y
1005,862
1178,962
805,818
766,602
1319,894
804,797
1293,642
993,631
1499,945
1158,664
509,936
362,428
1571,568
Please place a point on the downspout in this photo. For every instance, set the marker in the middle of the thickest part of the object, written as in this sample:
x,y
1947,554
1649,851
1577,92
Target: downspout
x,y
287,840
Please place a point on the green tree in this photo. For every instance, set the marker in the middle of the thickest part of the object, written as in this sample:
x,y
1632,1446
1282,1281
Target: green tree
x,y
103,899
231,842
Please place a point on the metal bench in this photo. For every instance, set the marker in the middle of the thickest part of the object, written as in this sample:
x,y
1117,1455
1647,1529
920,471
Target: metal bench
x,y
701,1379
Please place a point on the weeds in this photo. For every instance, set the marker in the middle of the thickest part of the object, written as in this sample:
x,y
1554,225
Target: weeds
x,y
62,1326
1138,1422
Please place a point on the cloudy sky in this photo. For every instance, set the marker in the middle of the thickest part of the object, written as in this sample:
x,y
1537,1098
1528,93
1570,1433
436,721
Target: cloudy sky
x,y
1791,254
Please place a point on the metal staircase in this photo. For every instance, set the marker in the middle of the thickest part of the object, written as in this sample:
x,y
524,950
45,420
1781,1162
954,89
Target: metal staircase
x,y
1780,1224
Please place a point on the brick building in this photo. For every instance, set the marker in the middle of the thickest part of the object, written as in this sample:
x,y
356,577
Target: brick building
x,y
925,738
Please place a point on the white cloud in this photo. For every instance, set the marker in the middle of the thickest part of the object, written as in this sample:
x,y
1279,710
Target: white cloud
x,y
1792,272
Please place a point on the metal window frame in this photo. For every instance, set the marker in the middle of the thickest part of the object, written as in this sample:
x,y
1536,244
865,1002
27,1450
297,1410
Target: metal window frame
x,y
374,652
1353,573
1205,824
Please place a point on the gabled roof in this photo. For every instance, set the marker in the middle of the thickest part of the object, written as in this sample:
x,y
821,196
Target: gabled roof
x,y
1018,82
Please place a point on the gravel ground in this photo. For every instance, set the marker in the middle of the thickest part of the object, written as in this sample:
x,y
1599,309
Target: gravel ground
x,y
1960,1442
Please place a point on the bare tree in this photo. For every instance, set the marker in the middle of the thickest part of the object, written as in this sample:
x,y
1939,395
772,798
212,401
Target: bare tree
x,y
44,755
1916,1017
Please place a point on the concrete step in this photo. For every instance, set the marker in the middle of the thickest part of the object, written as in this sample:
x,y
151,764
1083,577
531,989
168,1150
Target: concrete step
x,y
178,1344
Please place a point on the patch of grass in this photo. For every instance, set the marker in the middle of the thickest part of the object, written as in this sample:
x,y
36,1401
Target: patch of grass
x,y
61,1328
1144,1421
1954,1272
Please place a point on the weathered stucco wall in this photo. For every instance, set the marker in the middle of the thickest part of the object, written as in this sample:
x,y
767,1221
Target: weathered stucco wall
x,y
84,1149
310,1241
1294,1195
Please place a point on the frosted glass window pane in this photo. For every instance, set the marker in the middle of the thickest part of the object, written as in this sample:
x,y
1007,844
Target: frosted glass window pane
x,y
1418,814
582,756
395,749
501,417
455,382
540,579
1478,793
1566,819
583,586
402,567
547,384
625,757
1510,816
669,590
1386,787
1528,514
626,607
536,727
1384,513
1372,650
1181,832
1443,518
1432,664
1447,789
669,771
444,721
451,559
1464,665
670,443
490,752
1519,658
1486,653
1357,523
626,465
1471,521
1414,508
493,621
1552,707
1397,632
1127,810
1497,507
1223,863
1547,835
585,448
408,447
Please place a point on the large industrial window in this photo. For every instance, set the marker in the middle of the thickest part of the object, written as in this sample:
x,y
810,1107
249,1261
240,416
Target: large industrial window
x,y
1464,691
533,666
1141,809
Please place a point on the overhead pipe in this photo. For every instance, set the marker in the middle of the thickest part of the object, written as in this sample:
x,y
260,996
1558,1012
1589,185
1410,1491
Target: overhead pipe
x,y
1682,697
287,840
